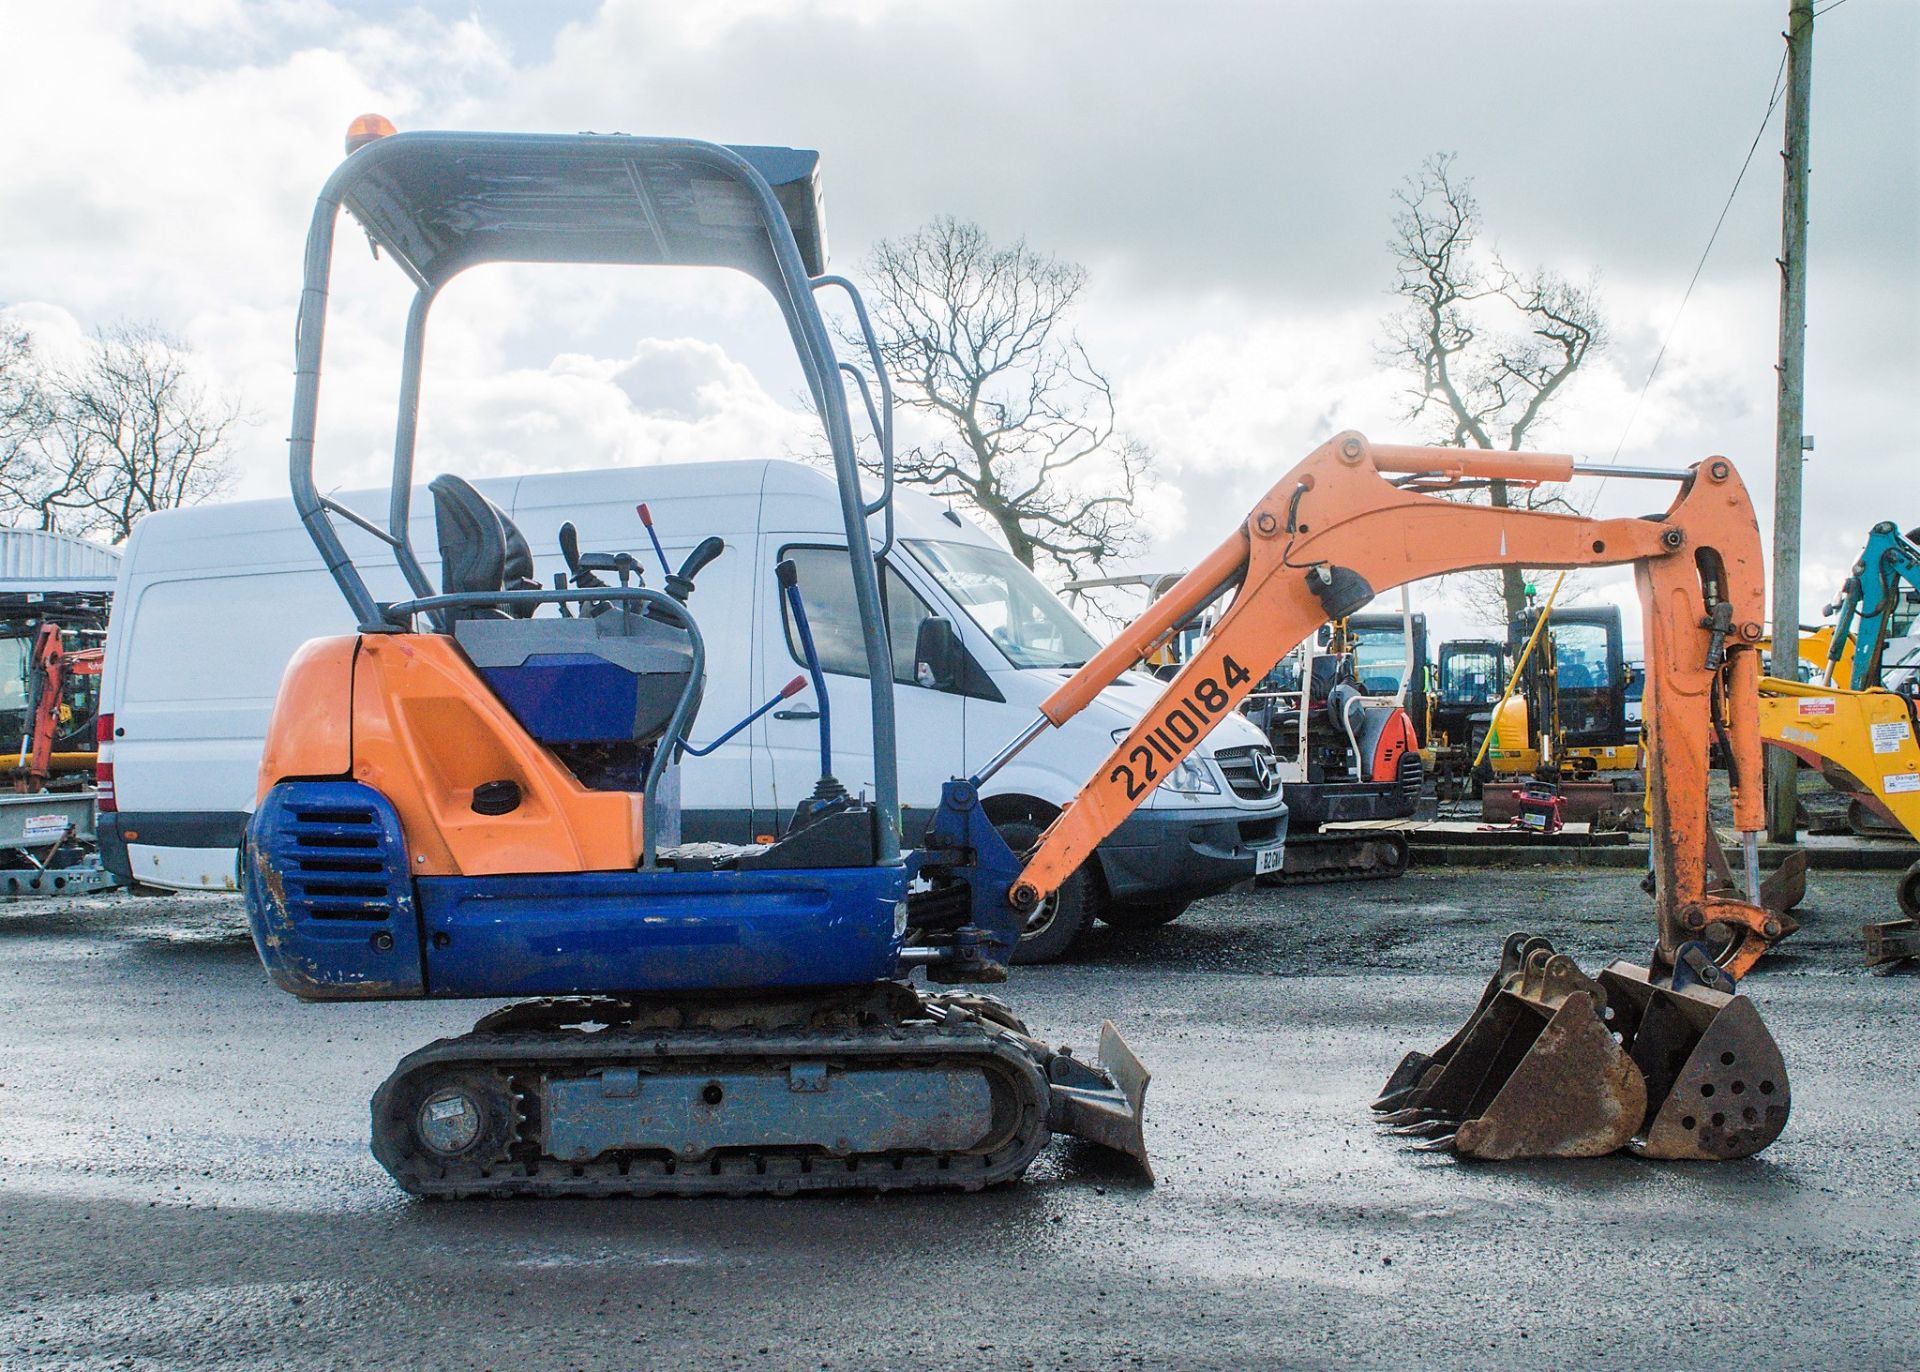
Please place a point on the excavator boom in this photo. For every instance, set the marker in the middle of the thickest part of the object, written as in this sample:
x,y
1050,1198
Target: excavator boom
x,y
1334,532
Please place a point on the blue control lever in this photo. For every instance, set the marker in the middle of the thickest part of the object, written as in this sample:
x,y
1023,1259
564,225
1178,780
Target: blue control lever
x,y
789,578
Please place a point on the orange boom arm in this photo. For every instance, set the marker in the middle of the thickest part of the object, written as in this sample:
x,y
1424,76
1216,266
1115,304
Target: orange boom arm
x,y
1334,532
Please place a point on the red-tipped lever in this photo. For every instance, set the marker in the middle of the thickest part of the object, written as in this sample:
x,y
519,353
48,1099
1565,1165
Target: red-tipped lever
x,y
792,688
646,518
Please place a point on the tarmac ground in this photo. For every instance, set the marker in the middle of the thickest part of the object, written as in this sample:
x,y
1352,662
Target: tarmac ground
x,y
185,1181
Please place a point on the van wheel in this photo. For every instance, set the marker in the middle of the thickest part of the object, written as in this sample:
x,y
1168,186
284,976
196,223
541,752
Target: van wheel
x,y
1059,919
1146,915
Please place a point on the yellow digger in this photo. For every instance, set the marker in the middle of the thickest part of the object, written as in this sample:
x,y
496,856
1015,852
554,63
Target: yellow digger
x,y
1861,736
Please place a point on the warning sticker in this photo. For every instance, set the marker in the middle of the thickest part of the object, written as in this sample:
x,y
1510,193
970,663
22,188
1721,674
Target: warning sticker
x,y
1818,705
44,829
1793,735
1888,737
1902,783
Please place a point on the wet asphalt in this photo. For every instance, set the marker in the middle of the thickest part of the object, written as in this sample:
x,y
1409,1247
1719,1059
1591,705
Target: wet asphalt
x,y
184,1178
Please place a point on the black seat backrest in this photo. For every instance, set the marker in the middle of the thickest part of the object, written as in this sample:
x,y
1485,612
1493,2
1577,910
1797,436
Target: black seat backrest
x,y
480,548
472,538
1330,670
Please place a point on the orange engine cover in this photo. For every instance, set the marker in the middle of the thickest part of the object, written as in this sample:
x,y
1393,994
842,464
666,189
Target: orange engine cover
x,y
409,716
1395,740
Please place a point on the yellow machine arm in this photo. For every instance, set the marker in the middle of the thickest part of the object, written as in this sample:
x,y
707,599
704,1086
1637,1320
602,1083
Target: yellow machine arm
x,y
1335,531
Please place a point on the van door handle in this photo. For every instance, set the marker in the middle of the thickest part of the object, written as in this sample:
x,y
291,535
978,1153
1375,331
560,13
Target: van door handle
x,y
803,712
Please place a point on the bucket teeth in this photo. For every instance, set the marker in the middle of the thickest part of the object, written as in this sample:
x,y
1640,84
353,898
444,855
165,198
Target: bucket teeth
x,y
1534,1072
1396,1118
1429,1129
1716,1083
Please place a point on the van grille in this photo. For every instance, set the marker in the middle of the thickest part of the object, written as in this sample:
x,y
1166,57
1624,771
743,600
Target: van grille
x,y
1253,772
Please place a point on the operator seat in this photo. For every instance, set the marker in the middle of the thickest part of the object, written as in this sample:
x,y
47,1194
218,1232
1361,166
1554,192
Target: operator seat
x,y
480,548
609,677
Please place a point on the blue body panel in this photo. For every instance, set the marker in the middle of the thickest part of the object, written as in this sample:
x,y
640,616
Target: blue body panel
x,y
586,932
328,896
569,697
335,917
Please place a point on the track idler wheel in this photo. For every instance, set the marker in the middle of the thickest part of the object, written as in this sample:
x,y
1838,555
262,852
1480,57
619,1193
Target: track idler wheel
x,y
429,1124
1716,1083
1536,1072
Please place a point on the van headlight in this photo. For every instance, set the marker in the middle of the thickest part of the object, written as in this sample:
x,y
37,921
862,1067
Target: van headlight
x,y
1189,777
1192,778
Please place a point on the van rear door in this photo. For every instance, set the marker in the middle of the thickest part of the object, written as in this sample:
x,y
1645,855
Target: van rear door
x,y
194,706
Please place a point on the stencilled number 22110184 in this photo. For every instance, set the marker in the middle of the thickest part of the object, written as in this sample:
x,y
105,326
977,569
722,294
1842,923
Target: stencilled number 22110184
x,y
1182,726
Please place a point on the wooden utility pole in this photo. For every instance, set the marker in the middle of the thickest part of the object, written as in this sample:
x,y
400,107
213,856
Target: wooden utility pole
x,y
1789,432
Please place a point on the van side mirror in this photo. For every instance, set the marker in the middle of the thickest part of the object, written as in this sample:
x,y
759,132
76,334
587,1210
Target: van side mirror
x,y
939,659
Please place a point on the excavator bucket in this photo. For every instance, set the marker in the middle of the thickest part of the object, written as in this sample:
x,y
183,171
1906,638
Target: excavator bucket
x,y
1535,1073
1417,1069
1716,1085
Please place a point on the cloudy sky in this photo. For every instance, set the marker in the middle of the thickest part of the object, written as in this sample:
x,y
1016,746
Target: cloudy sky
x,y
1224,170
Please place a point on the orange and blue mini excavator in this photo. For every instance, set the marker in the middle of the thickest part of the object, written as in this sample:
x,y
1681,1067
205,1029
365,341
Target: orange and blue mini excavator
x,y
472,796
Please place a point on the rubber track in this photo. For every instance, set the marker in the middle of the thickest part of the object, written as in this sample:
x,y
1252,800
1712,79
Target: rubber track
x,y
1326,876
522,1057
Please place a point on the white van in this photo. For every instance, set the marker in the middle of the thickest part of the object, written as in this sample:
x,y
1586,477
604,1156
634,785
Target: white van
x,y
212,602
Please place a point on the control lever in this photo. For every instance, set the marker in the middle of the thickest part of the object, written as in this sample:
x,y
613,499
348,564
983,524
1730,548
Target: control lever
x,y
624,565
646,518
788,575
792,688
680,583
570,550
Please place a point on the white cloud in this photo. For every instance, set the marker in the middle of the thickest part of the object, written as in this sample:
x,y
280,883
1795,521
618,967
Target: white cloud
x,y
1224,175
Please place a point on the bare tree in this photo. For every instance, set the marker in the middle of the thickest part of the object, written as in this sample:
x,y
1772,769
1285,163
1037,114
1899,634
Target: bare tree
x,y
125,431
25,487
975,337
1492,348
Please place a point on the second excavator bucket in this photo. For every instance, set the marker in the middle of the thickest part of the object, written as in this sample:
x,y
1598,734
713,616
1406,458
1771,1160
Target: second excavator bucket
x,y
1536,1072
1715,1081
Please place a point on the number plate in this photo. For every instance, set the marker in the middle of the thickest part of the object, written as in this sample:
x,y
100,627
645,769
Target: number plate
x,y
1268,860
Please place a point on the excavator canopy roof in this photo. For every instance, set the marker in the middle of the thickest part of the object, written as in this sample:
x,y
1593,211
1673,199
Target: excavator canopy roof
x,y
441,202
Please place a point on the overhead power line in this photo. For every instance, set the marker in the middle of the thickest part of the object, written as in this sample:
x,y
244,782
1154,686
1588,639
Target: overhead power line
x,y
1773,103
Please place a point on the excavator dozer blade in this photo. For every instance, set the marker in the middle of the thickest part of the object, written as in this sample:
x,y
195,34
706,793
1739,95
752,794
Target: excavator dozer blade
x,y
1716,1083
1537,1073
1107,1107
1403,1086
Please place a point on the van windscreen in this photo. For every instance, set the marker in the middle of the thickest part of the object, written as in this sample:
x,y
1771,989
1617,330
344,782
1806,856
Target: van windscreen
x,y
1012,605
